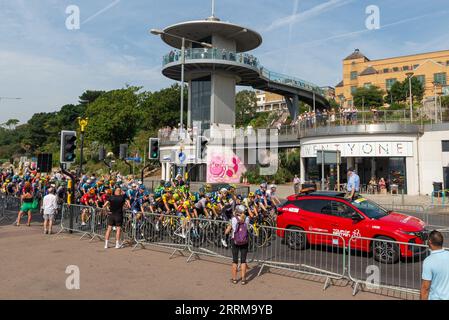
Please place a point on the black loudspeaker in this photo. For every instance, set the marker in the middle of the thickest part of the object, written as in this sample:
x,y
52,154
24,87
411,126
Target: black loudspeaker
x,y
44,162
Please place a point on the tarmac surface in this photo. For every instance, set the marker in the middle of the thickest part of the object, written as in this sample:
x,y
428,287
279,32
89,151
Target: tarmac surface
x,y
34,267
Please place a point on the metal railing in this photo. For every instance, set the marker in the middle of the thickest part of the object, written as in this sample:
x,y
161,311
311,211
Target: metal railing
x,y
244,59
377,264
380,263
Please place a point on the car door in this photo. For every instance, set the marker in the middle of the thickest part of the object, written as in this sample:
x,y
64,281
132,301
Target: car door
x,y
341,222
314,214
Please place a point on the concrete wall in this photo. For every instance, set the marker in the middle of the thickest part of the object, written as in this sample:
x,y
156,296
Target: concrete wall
x,y
431,159
223,43
223,99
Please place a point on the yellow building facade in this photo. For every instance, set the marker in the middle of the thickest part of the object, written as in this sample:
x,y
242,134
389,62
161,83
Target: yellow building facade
x,y
358,71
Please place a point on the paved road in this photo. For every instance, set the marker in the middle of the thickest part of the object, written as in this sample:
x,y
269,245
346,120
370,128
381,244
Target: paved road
x,y
143,274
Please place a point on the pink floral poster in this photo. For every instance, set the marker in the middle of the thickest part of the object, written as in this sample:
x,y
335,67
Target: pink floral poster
x,y
222,169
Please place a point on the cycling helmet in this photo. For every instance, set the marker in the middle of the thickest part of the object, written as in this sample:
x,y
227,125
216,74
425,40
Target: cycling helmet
x,y
240,197
240,209
202,190
258,193
176,197
251,194
232,186
92,191
193,198
223,190
263,185
273,186
208,195
167,185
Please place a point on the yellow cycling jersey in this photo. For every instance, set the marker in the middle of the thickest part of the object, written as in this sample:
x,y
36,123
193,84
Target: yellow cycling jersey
x,y
168,199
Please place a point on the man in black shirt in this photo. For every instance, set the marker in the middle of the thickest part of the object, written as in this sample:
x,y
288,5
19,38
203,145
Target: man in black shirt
x,y
115,219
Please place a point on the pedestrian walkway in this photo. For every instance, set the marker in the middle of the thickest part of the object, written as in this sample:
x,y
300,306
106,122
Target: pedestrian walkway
x,y
137,274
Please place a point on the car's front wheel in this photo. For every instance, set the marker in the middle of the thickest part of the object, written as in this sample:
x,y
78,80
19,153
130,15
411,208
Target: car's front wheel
x,y
385,251
296,238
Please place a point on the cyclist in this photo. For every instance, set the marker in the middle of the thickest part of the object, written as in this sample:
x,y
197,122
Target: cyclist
x,y
89,199
273,198
251,205
225,204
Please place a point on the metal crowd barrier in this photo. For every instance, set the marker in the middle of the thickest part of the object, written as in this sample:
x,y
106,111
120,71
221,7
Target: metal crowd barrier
x,y
206,237
307,252
378,264
375,264
77,218
161,230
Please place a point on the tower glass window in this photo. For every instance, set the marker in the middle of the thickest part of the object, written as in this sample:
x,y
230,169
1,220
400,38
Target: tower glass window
x,y
353,75
200,93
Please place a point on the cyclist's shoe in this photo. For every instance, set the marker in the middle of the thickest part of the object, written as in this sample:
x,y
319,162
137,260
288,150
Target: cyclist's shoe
x,y
223,242
83,224
118,245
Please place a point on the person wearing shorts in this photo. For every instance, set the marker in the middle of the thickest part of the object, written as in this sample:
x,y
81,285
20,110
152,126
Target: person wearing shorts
x,y
27,204
115,219
239,217
50,207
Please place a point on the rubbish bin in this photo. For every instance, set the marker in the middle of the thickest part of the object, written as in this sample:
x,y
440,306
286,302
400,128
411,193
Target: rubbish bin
x,y
437,188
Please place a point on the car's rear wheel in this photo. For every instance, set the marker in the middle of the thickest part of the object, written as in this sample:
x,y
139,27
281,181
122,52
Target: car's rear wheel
x,y
295,238
385,251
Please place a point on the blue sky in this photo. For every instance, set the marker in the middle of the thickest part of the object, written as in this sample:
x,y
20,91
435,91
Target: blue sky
x,y
49,66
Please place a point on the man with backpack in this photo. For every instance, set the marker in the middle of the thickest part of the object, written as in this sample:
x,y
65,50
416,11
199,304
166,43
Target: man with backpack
x,y
239,242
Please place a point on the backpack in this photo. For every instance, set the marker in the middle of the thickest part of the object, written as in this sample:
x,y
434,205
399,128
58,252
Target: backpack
x,y
241,234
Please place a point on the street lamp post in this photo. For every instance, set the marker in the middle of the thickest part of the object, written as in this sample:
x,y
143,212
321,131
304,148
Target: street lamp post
x,y
435,84
83,124
183,40
410,75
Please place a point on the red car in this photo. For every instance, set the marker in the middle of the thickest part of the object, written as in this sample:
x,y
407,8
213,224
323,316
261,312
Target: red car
x,y
331,213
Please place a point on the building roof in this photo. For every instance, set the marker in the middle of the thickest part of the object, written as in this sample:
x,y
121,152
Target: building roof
x,y
245,38
368,71
340,84
356,55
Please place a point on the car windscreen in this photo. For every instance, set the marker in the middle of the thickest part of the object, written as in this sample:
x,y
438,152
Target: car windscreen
x,y
369,208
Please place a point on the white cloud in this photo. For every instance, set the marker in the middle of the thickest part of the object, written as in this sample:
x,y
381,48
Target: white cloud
x,y
307,14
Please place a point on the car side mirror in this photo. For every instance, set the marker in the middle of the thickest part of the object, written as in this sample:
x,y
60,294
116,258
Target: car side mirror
x,y
356,217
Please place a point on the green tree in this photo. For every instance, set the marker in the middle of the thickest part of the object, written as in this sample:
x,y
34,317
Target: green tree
x,y
89,96
11,123
245,107
162,108
400,91
114,117
368,97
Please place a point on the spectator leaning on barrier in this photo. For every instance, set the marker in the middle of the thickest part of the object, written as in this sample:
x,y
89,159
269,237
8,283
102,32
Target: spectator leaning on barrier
x,y
239,241
435,275
50,207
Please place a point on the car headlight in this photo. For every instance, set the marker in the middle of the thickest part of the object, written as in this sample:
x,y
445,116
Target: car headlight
x,y
412,233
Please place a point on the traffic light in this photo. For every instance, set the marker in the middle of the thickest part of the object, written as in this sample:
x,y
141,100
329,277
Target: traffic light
x,y
154,149
201,148
68,146
123,151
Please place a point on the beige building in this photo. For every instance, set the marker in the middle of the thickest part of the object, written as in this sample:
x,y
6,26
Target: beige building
x,y
429,68
267,101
